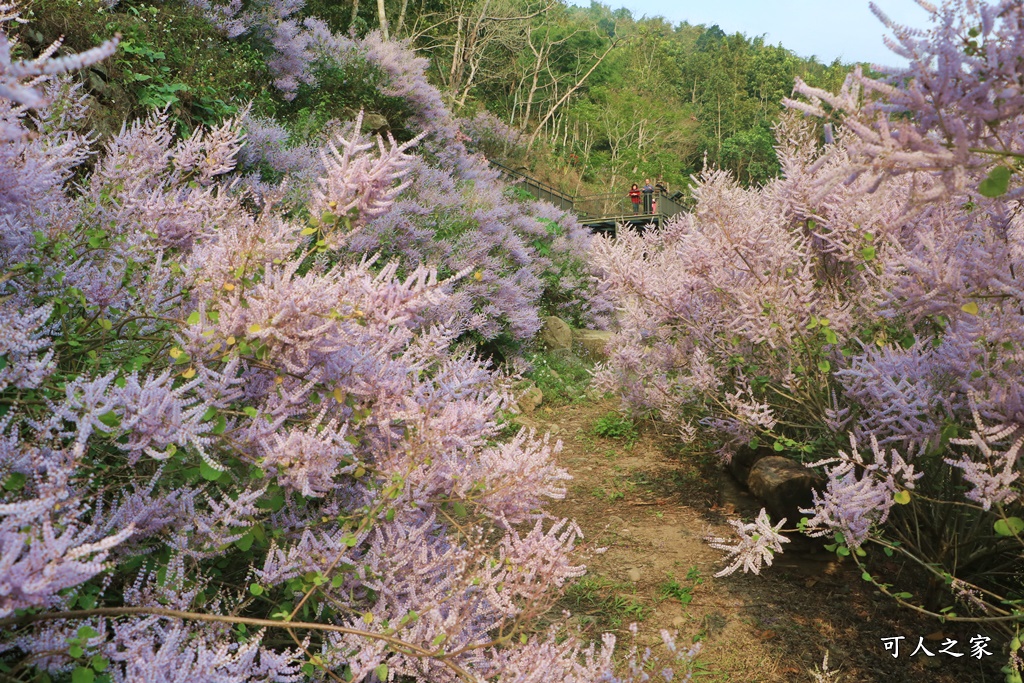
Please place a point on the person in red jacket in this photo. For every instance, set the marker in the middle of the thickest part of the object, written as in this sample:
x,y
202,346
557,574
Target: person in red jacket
x,y
634,196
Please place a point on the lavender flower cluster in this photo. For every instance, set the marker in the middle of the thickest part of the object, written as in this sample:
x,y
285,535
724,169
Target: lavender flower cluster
x,y
234,446
522,258
872,293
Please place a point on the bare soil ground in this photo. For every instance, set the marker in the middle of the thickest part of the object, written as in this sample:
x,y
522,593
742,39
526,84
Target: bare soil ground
x,y
651,506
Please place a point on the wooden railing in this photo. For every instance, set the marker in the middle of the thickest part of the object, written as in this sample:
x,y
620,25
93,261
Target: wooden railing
x,y
601,212
535,187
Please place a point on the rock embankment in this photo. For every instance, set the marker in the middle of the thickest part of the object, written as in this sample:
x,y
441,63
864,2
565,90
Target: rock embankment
x,y
557,335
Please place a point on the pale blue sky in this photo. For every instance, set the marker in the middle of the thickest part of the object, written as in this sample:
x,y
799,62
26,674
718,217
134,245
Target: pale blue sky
x,y
825,28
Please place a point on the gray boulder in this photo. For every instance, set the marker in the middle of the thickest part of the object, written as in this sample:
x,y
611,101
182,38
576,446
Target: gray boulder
x,y
783,485
530,399
592,344
555,334
374,123
744,458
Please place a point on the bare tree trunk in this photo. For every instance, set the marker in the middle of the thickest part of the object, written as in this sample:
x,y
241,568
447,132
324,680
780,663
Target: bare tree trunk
x,y
568,94
355,11
457,52
401,19
473,65
383,19
718,126
533,86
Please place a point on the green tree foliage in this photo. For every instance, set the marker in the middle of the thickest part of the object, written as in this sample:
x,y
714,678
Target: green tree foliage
x,y
667,97
604,99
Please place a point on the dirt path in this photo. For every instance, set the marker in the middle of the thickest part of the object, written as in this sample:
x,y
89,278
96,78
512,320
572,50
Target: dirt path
x,y
650,505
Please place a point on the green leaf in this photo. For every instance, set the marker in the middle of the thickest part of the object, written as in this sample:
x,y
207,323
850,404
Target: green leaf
x,y
903,596
110,419
950,431
460,510
824,365
868,253
866,576
99,663
842,551
193,318
14,481
3,361
274,503
255,589
219,425
245,542
830,336
208,473
307,231
76,651
381,672
997,182
1011,526
250,411
778,446
903,497
82,675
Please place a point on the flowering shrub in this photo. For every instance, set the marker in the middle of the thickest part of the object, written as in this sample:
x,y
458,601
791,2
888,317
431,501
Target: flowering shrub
x,y
523,258
492,137
231,451
869,296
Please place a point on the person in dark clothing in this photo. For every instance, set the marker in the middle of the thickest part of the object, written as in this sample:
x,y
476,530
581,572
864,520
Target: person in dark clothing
x,y
660,188
648,193
634,196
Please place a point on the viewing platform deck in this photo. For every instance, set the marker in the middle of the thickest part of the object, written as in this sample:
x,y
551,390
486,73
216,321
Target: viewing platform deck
x,y
603,212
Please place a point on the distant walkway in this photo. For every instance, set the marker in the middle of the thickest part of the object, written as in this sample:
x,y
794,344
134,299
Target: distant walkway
x,y
599,212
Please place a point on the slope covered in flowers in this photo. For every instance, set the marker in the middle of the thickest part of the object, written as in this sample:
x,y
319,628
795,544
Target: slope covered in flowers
x,y
862,314
246,435
237,445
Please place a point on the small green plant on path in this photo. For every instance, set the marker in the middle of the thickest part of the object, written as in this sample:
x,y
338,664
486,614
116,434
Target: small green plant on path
x,y
563,378
599,603
683,592
616,426
615,490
